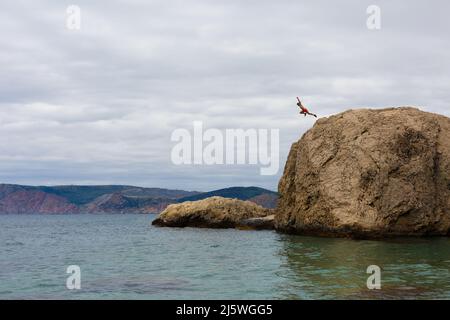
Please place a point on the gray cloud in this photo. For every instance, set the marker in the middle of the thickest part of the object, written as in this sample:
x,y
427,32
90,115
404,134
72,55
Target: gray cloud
x,y
98,105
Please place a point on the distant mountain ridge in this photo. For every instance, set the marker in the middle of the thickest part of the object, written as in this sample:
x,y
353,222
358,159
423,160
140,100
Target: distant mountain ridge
x,y
112,198
263,197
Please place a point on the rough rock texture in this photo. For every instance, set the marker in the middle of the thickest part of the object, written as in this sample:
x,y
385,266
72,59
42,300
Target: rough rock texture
x,y
214,212
369,173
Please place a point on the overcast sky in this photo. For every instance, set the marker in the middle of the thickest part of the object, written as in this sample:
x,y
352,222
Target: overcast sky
x,y
98,105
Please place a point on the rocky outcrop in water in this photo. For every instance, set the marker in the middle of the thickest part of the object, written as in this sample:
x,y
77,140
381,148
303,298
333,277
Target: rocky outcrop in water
x,y
213,212
369,173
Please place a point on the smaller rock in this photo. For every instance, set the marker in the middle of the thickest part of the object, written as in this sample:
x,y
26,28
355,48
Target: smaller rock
x,y
213,212
264,223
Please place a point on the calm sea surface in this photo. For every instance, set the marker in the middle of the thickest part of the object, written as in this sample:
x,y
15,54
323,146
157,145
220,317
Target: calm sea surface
x,y
124,257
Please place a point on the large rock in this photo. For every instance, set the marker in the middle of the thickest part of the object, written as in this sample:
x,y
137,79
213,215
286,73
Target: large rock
x,y
214,212
369,173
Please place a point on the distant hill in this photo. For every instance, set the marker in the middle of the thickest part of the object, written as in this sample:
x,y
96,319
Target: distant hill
x,y
111,198
261,196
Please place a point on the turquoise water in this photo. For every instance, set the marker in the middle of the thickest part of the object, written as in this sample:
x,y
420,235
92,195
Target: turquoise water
x,y
124,257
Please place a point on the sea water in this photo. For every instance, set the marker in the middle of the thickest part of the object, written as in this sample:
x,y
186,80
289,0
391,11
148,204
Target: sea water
x,y
124,257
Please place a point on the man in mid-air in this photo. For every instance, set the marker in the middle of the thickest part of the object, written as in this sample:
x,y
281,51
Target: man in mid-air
x,y
304,110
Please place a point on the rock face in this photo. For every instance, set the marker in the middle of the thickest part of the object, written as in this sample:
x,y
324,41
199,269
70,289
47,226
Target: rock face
x,y
369,173
214,212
